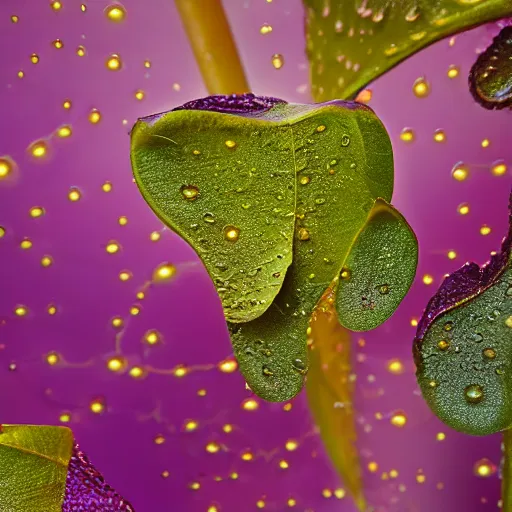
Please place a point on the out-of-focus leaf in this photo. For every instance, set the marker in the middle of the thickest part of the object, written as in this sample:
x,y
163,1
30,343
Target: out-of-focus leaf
x,y
330,396
490,80
274,195
463,347
352,42
33,467
378,271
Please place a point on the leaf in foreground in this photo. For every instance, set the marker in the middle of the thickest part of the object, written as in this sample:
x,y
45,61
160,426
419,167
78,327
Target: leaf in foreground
x,y
463,347
271,196
352,42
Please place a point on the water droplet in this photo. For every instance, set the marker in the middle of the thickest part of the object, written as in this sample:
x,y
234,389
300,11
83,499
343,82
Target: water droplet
x,y
299,365
407,135
443,345
303,234
231,233
266,371
439,136
345,274
320,128
453,71
460,171
484,468
421,88
489,353
230,144
304,180
345,140
499,169
277,60
209,217
115,13
189,192
114,62
474,394
383,289
265,29
58,44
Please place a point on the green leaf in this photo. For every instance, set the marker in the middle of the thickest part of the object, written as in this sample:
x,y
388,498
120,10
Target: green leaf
x,y
295,186
378,271
330,393
463,348
33,467
352,42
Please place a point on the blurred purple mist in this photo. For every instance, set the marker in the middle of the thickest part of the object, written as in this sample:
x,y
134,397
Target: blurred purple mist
x,y
167,442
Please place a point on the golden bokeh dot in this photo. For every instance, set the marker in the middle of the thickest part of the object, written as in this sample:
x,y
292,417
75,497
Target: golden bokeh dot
x,y
137,372
65,417
64,131
398,419
421,87
159,439
428,279
51,309
46,261
115,13
36,211
26,244
164,272
407,135
291,445
291,501
395,366
439,136
277,61
453,71
14,18
116,364
152,337
180,371
247,456
52,358
190,426
484,468
34,58
227,428
485,230
74,194
56,5
460,172
94,116
499,169
212,447
155,236
365,96
373,467
113,247
135,310
147,64
66,104
451,255
117,322
7,167
83,7
140,94
21,74
123,220
485,143
326,493
114,62
228,366
97,406
283,464
81,51
194,486
107,186
250,404
38,149
463,208
2,231
57,43
265,29
125,275
420,477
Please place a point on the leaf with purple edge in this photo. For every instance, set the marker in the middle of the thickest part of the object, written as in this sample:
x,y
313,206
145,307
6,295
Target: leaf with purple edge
x,y
463,346
352,42
278,192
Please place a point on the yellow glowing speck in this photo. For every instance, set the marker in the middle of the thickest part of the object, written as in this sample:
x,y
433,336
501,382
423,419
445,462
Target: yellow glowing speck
x,y
227,428
231,233
230,144
277,61
247,456
65,417
373,467
407,135
46,261
155,236
484,468
115,13
137,372
291,502
421,88
439,136
194,486
107,186
201,392
291,445
7,166
134,310
21,74
180,371
327,493
116,364
14,18
56,5
97,406
152,337
52,358
399,419
340,493
213,508
452,255
94,116
228,366
36,211
164,272
250,404
485,230
283,464
113,247
34,58
485,143
114,62
463,209
453,71
265,29
58,44
38,149
440,436
365,96
212,447
117,322
428,279
74,194
260,504
460,172
139,94
83,8
190,426
67,104
80,51
2,231
395,366
147,64
26,244
287,407
125,275
64,131
499,169
421,478
159,439
51,309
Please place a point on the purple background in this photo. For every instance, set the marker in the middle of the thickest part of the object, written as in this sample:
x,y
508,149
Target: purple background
x,y
83,282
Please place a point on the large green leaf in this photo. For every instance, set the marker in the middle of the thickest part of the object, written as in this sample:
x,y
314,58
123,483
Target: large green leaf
x,y
378,270
33,467
463,348
293,187
352,42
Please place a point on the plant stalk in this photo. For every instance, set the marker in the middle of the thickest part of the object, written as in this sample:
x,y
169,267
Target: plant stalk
x,y
506,482
212,42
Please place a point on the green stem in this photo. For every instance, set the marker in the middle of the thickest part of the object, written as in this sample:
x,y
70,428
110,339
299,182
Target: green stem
x,y
506,482
212,43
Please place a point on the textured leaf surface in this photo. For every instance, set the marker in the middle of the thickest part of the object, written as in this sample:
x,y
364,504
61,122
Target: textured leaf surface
x,y
33,467
330,393
294,185
352,42
378,271
490,79
463,347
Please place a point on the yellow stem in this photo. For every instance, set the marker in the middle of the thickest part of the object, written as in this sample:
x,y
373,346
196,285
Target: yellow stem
x,y
506,482
212,43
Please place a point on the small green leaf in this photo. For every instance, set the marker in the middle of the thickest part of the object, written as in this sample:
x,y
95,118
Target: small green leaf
x,y
463,347
378,271
350,43
330,392
294,186
33,467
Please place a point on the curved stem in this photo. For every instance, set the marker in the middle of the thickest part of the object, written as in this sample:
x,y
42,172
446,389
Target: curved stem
x,y
506,482
212,43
